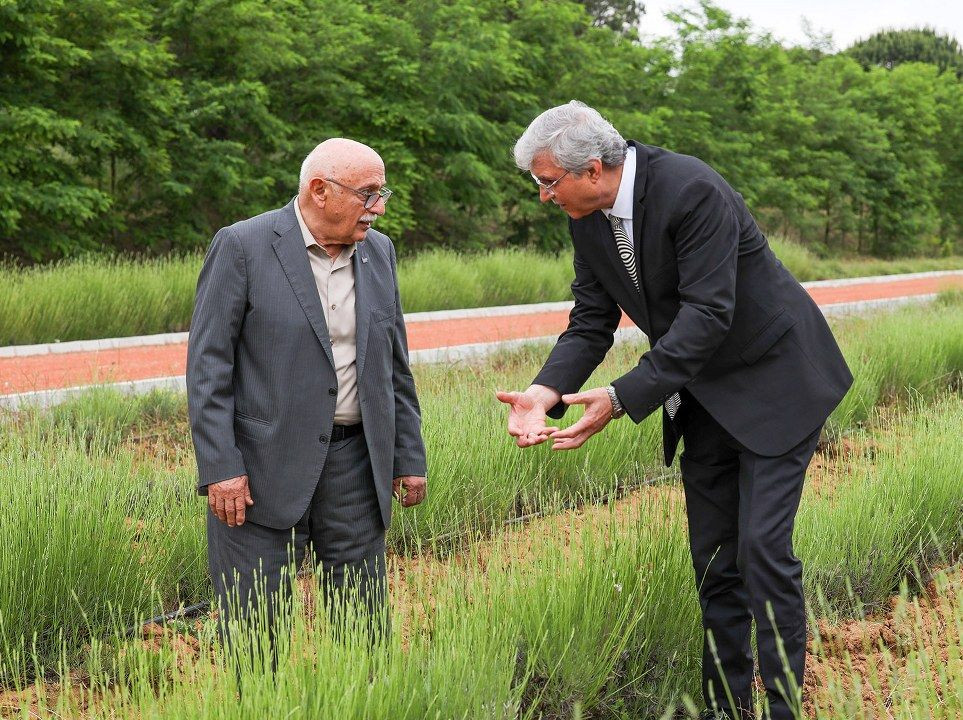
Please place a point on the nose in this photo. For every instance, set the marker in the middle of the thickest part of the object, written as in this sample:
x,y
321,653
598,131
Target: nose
x,y
544,195
379,207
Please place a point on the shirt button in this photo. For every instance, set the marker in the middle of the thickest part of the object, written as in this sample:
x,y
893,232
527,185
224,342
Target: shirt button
x,y
323,438
334,306
332,391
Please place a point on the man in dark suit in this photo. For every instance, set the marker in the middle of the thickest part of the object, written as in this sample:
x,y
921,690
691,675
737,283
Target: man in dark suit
x,y
742,364
302,405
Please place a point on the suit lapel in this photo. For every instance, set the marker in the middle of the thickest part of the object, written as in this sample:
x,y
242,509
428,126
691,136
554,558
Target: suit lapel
x,y
638,199
362,305
638,219
293,256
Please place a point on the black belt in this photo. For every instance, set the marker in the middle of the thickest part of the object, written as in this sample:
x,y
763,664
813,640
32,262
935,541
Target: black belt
x,y
340,432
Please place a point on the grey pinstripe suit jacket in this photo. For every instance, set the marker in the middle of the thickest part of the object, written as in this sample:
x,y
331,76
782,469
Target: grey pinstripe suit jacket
x,y
261,385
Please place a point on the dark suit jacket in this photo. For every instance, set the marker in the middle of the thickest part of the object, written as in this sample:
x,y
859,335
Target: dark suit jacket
x,y
725,319
260,373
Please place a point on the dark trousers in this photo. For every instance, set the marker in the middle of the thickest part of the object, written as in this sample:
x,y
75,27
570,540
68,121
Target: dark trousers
x,y
741,508
251,565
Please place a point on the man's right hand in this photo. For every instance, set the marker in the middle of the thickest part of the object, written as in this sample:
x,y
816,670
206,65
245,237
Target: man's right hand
x,y
526,417
229,500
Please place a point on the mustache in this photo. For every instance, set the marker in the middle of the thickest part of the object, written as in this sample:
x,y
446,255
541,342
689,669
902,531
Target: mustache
x,y
368,218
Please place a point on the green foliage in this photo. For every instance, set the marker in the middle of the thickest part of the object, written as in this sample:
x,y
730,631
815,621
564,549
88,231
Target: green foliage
x,y
144,125
890,48
621,15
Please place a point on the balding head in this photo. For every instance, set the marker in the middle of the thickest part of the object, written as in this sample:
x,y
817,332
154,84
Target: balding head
x,y
338,158
337,178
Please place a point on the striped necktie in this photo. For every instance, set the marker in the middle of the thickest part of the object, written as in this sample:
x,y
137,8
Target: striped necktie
x,y
627,252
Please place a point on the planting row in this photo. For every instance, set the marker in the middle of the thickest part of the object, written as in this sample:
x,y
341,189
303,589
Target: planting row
x,y
102,522
590,613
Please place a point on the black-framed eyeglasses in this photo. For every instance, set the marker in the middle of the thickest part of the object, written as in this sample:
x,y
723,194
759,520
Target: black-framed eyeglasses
x,y
370,198
550,187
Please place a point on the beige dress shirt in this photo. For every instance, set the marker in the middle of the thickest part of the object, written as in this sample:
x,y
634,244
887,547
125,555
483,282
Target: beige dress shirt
x,y
335,281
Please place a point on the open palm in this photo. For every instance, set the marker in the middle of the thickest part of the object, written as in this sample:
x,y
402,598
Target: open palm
x,y
526,418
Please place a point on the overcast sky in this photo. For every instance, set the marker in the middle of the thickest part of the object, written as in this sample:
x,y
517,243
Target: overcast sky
x,y
847,20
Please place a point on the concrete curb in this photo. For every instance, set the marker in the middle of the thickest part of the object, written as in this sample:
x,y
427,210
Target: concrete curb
x,y
866,306
467,313
93,345
447,355
843,282
49,398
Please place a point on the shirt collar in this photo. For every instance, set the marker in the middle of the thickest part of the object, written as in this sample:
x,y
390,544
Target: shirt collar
x,y
309,238
623,200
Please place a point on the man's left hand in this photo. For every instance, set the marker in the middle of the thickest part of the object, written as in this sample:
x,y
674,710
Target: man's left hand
x,y
415,489
598,412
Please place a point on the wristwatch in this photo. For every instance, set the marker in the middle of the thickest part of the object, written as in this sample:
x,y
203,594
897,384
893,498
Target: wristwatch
x,y
617,409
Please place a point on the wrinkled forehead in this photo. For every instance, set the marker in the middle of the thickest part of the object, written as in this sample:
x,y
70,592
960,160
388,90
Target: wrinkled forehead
x,y
360,169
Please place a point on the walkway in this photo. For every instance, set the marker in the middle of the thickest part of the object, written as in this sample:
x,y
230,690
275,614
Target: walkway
x,y
37,370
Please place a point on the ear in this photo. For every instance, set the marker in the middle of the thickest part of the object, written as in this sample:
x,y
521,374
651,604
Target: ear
x,y
594,170
318,191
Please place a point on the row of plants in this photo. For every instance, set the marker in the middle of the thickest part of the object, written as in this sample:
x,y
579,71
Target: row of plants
x,y
102,523
591,615
101,297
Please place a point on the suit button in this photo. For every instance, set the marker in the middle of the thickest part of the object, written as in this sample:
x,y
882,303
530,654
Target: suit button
x,y
332,391
323,438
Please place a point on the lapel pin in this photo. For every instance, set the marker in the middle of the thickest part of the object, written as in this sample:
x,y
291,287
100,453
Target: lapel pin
x,y
364,259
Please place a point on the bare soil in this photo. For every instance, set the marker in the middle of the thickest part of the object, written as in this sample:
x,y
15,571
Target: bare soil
x,y
871,659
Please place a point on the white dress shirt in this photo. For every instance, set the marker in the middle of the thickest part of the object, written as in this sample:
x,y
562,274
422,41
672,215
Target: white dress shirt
x,y
623,201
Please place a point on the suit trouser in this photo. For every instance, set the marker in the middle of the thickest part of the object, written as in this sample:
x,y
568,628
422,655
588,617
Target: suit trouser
x,y
741,509
342,526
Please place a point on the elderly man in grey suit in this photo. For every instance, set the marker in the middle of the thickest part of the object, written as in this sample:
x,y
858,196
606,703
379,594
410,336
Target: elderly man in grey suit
x,y
302,405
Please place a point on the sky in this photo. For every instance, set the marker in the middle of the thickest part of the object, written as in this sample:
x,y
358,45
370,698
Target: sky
x,y
846,20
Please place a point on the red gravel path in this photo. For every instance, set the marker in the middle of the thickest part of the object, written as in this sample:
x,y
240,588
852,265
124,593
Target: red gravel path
x,y
44,372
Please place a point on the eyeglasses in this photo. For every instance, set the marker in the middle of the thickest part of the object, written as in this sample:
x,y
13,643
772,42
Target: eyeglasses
x,y
549,187
370,198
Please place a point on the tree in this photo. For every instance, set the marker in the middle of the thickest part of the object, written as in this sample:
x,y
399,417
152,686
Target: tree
x,y
87,112
890,48
623,16
42,192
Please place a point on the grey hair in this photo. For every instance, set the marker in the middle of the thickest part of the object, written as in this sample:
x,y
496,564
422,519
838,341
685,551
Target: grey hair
x,y
573,134
314,165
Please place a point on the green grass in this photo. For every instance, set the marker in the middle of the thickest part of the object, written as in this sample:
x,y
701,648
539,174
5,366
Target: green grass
x,y
597,619
902,505
892,354
96,298
95,485
805,265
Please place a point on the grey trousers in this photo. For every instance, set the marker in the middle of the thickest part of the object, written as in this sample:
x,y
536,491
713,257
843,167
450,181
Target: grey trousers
x,y
251,565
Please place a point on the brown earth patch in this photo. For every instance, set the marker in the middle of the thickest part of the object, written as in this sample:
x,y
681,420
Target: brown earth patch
x,y
876,662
